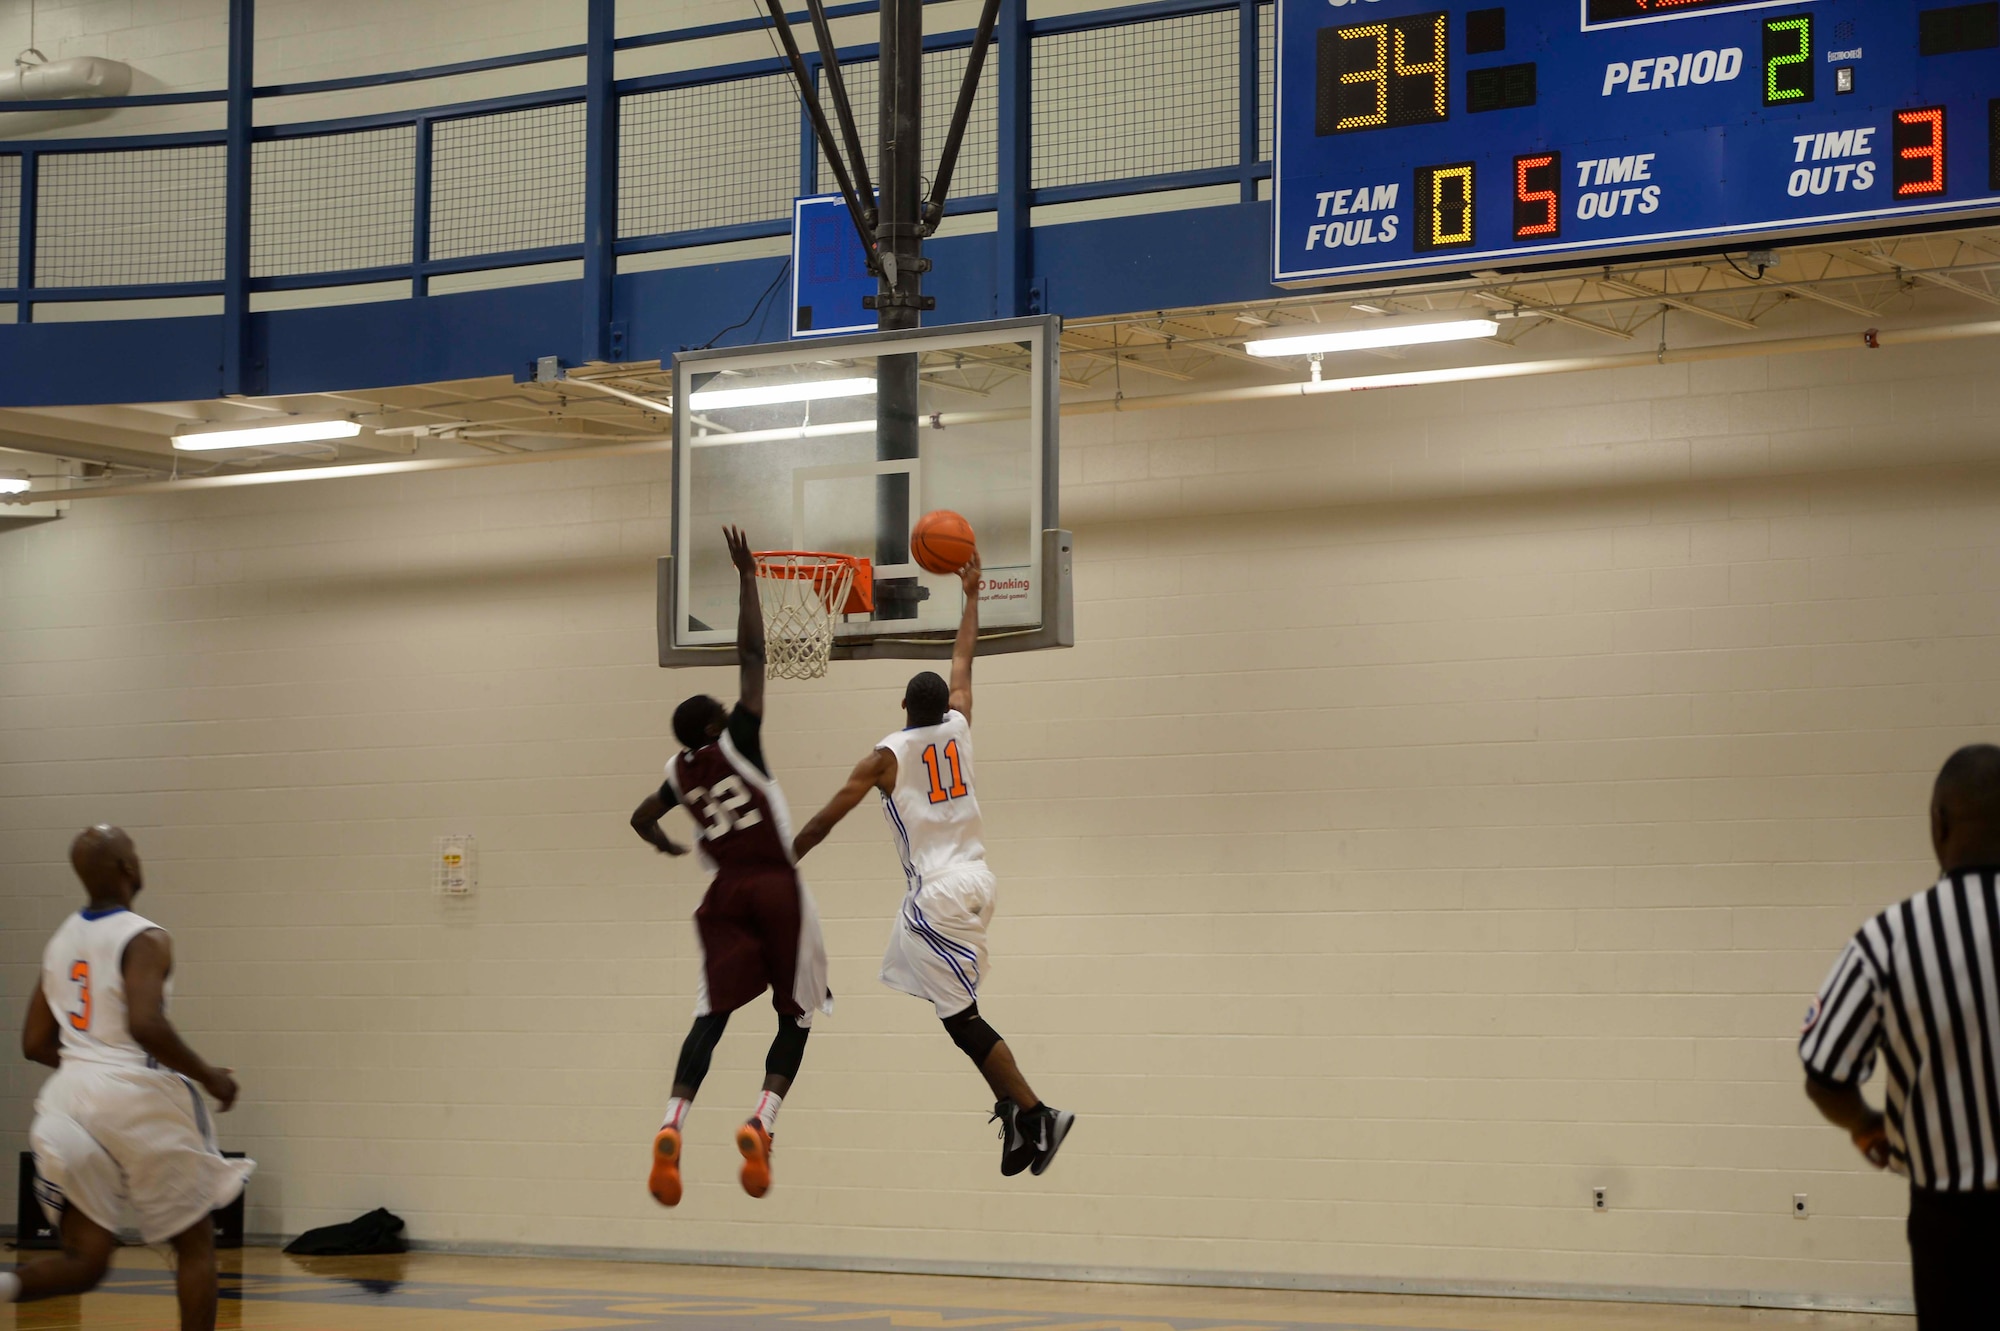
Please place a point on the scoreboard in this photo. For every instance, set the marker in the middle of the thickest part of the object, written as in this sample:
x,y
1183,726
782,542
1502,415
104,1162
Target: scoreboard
x,y
1447,135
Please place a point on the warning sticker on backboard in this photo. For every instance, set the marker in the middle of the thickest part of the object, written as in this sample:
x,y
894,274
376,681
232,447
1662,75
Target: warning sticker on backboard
x,y
1007,586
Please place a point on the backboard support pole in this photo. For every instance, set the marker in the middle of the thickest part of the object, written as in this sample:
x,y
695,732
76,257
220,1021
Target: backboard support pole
x,y
899,299
239,369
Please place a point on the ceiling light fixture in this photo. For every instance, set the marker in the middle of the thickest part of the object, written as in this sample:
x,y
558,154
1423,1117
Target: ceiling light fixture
x,y
296,432
14,482
1373,335
771,395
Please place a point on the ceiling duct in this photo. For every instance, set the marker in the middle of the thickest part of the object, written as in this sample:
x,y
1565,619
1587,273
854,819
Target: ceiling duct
x,y
86,76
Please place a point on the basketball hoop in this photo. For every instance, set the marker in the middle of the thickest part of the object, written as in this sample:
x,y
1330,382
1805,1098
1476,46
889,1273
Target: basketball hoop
x,y
803,593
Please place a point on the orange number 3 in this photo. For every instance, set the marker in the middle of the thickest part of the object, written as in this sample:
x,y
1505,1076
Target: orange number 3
x,y
79,974
938,792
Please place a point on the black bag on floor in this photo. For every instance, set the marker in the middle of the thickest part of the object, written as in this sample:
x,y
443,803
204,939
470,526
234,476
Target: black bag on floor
x,y
378,1231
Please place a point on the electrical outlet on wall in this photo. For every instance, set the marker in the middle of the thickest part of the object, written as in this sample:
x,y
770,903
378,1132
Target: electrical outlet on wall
x,y
1799,1205
1598,1201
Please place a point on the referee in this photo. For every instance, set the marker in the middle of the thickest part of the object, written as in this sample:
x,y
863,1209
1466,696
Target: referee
x,y
1917,986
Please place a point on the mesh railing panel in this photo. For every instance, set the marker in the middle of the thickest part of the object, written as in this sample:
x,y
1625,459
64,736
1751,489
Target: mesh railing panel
x,y
721,154
1136,100
511,181
130,216
978,170
10,220
332,202
1267,79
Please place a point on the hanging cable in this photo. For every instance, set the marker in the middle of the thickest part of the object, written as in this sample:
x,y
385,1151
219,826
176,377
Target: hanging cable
x,y
755,310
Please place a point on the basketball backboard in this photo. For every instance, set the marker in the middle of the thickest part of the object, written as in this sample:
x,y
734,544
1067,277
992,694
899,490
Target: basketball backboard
x,y
785,441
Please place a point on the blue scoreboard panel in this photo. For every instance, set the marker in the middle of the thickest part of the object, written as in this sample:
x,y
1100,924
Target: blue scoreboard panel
x,y
830,276
1429,135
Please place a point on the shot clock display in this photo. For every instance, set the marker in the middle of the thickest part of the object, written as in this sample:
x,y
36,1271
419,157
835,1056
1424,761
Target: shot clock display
x,y
1460,134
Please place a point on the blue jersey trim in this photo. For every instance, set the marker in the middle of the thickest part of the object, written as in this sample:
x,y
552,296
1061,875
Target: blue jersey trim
x,y
971,986
925,927
107,913
903,837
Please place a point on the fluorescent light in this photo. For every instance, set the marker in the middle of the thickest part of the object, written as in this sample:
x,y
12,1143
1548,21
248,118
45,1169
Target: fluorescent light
x,y
14,482
710,399
297,432
1384,334
827,431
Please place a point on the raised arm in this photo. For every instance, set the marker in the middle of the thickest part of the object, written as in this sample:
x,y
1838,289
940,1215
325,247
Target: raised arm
x,y
41,1041
646,822
148,960
968,640
875,772
749,623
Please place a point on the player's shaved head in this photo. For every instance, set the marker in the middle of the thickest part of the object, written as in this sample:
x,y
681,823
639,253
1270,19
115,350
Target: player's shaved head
x,y
926,698
1965,808
107,862
699,720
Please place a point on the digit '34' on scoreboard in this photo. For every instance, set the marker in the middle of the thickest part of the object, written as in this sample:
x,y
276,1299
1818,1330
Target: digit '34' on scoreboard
x,y
1417,136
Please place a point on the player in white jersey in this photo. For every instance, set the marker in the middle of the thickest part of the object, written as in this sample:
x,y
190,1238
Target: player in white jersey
x,y
937,949
121,1135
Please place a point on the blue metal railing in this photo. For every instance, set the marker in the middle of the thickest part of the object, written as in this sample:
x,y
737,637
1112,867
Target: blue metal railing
x,y
603,95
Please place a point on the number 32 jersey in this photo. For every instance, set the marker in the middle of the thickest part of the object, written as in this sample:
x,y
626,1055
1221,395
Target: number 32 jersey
x,y
746,827
932,811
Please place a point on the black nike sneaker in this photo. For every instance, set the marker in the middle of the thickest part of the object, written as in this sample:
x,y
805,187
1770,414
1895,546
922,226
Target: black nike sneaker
x,y
1017,1149
1045,1126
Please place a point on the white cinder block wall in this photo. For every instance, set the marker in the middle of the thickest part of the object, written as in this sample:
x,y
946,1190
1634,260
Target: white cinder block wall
x,y
1453,797
1450,804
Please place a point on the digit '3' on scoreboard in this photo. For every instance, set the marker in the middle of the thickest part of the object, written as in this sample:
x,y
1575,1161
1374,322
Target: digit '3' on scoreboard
x,y
1460,133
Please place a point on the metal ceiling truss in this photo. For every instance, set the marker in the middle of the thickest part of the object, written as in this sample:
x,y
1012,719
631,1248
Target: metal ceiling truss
x,y
1894,277
1916,279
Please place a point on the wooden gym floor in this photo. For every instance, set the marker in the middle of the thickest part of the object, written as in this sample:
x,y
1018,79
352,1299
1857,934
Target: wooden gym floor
x,y
263,1290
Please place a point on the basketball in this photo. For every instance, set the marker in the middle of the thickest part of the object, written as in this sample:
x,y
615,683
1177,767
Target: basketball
x,y
941,542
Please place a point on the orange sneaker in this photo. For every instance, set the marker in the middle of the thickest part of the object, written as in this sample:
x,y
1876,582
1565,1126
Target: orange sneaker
x,y
755,1143
665,1180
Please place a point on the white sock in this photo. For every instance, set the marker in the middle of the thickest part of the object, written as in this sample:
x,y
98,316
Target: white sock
x,y
10,1287
766,1111
677,1112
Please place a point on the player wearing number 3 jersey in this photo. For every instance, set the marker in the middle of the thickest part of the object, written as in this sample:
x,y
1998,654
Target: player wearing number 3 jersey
x,y
756,925
937,949
121,1135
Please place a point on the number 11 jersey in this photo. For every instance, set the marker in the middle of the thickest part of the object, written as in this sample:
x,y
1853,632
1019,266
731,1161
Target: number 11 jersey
x,y
933,812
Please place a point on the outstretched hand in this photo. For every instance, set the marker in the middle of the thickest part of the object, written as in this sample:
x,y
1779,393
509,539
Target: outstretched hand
x,y
739,550
968,576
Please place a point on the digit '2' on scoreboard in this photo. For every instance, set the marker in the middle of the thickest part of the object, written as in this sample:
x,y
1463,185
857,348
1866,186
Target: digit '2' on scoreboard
x,y
1446,135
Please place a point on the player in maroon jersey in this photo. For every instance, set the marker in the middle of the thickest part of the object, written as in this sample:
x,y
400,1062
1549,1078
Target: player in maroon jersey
x,y
757,924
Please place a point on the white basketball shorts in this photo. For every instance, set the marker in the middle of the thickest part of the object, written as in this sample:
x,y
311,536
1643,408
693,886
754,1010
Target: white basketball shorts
x,y
938,947
130,1147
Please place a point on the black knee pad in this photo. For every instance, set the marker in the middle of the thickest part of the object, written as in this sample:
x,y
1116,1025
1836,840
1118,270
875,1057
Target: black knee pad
x,y
699,1048
969,1031
788,1048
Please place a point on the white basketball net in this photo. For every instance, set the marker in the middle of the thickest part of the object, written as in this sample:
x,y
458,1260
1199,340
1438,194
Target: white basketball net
x,y
802,596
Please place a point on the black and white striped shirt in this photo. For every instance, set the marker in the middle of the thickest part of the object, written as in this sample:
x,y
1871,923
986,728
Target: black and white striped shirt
x,y
1917,986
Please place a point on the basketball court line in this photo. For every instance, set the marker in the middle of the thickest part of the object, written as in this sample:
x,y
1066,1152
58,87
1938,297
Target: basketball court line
x,y
267,1291
634,1311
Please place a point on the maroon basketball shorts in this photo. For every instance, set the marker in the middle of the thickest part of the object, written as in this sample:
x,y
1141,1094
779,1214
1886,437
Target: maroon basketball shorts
x,y
755,928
